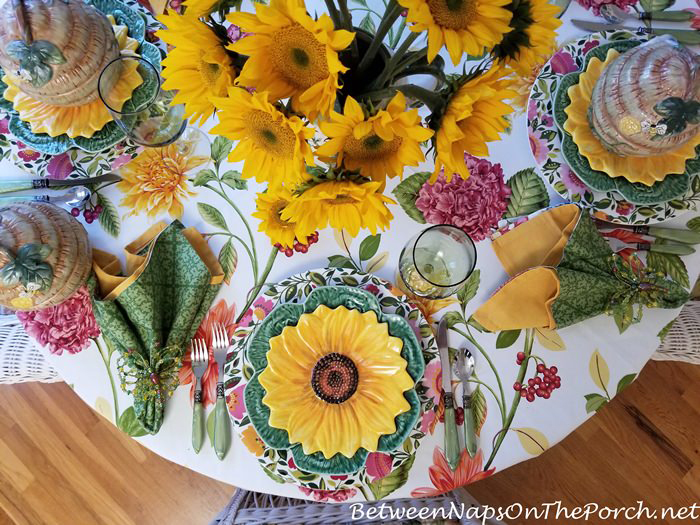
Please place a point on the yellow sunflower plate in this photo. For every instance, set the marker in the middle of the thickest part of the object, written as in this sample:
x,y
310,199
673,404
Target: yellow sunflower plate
x,y
335,379
77,121
644,170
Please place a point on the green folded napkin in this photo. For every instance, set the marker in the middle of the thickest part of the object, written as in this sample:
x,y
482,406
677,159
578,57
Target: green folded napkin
x,y
151,312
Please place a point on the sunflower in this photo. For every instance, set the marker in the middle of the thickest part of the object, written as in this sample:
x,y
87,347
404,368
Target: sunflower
x,y
291,55
460,25
156,181
198,67
200,8
378,146
523,82
344,204
272,145
475,114
532,37
268,208
335,381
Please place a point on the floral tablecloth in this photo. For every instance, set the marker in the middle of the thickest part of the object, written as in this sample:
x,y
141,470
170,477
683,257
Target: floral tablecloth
x,y
592,360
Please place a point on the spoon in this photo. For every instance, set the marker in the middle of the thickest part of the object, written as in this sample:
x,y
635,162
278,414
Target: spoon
x,y
616,15
73,198
463,367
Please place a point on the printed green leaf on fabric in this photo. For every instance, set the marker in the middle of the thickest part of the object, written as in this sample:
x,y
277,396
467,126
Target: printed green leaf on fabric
x,y
528,193
507,338
212,215
129,424
406,193
395,480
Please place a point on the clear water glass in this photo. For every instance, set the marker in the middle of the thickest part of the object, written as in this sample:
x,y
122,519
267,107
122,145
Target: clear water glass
x,y
436,262
148,118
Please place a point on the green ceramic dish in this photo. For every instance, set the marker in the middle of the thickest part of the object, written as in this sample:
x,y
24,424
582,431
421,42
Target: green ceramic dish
x,y
672,187
111,133
288,315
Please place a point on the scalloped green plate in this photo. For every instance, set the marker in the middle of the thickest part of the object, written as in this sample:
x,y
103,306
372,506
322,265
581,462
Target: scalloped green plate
x,y
672,187
288,315
111,133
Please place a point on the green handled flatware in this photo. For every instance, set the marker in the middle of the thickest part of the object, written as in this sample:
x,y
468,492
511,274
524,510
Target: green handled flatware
x,y
200,360
684,36
10,186
673,249
222,428
451,438
464,368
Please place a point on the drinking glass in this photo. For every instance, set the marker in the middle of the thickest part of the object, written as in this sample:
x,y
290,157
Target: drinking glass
x,y
436,262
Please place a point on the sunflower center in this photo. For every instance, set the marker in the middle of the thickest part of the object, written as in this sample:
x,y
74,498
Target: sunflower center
x,y
270,135
518,38
370,147
334,378
276,215
210,73
298,57
453,14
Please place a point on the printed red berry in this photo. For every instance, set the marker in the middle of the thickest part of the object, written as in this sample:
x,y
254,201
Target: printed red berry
x,y
531,382
539,392
304,249
546,394
553,369
459,415
75,212
289,252
517,386
520,356
523,392
98,209
89,220
530,397
538,380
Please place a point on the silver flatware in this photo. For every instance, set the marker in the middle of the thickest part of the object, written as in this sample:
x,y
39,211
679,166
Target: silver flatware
x,y
451,439
615,15
684,36
10,186
74,198
199,355
464,368
222,430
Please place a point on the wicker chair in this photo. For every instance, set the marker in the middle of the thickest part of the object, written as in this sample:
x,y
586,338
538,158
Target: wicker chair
x,y
253,508
682,343
20,360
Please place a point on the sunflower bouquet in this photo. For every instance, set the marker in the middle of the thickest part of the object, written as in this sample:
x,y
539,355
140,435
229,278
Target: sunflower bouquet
x,y
323,112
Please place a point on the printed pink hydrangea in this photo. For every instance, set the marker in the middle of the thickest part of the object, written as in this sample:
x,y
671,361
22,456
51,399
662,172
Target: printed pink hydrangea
x,y
475,204
595,5
67,327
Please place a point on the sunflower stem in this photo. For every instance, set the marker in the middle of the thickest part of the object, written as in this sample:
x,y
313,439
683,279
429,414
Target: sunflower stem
x,y
392,12
412,58
346,22
259,283
427,97
333,13
399,33
106,358
394,60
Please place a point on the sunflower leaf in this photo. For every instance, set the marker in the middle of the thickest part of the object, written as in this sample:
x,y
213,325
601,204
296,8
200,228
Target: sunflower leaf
x,y
528,194
212,215
369,246
109,217
406,192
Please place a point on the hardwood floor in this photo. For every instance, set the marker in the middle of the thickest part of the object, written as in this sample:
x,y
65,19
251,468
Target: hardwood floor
x,y
61,463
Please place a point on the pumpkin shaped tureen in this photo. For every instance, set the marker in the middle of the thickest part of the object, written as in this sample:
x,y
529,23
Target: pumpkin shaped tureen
x,y
55,50
44,255
647,101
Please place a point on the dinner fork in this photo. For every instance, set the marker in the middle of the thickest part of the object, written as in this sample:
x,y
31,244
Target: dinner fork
x,y
222,432
199,356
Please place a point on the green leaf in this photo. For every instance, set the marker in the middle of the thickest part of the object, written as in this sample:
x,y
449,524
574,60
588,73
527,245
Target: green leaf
x,y
694,224
393,481
228,258
40,74
406,192
233,180
665,330
528,193
624,382
17,50
349,280
623,316
468,291
212,215
317,278
479,409
273,476
454,318
340,261
595,402
204,176
368,24
369,246
656,5
507,338
476,325
48,52
670,265
129,423
109,217
220,149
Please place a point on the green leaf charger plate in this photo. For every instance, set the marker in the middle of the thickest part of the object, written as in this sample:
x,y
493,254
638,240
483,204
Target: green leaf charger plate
x,y
672,187
288,314
111,133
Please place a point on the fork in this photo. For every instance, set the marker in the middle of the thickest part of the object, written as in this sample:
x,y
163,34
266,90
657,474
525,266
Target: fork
x,y
222,432
200,360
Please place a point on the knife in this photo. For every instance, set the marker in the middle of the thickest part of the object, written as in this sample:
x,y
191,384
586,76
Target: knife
x,y
451,439
685,36
11,186
674,249
670,234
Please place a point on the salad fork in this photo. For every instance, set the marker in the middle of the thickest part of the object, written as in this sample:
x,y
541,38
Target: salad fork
x,y
222,432
199,356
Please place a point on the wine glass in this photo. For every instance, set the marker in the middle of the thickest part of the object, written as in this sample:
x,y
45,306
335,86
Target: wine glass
x,y
149,118
436,262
